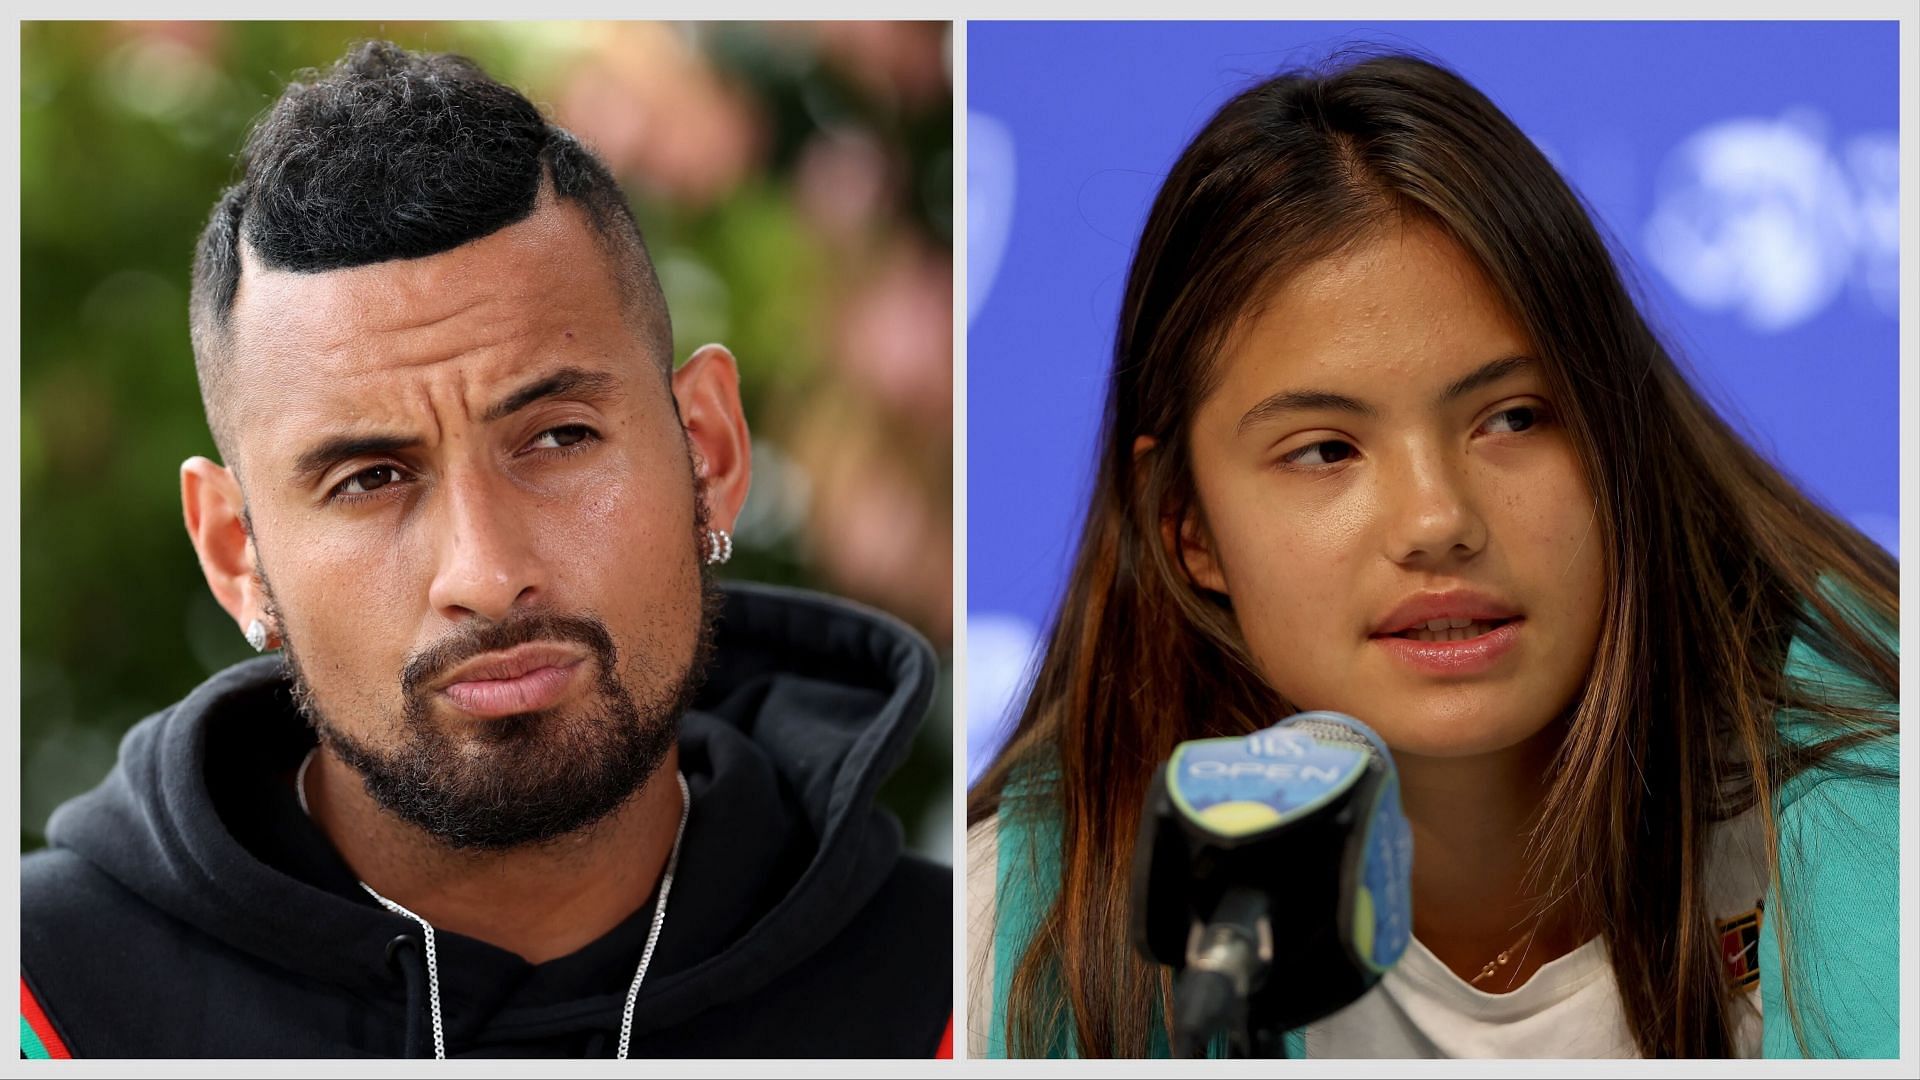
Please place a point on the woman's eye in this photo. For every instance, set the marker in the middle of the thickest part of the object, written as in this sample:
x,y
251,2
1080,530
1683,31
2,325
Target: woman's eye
x,y
368,480
1330,452
1519,418
562,437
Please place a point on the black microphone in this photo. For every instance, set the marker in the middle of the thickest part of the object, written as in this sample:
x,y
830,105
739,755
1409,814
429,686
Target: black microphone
x,y
1273,873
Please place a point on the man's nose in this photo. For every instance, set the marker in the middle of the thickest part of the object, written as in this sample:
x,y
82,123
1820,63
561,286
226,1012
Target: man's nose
x,y
488,562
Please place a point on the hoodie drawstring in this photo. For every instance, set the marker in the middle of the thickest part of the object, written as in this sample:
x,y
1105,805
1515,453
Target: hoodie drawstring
x,y
414,1045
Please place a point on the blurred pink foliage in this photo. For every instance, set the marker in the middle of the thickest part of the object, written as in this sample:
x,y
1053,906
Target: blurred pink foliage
x,y
659,114
902,61
895,336
203,39
844,182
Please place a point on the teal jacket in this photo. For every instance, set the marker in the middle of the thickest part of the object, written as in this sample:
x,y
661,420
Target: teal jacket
x,y
1839,857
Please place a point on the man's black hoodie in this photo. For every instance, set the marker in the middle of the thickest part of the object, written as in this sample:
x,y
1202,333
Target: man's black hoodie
x,y
187,907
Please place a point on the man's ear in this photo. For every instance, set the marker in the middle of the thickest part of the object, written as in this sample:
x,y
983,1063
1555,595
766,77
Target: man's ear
x,y
1185,535
211,500
707,390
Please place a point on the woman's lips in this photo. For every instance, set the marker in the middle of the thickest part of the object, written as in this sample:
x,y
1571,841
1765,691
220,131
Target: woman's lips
x,y
1473,656
541,688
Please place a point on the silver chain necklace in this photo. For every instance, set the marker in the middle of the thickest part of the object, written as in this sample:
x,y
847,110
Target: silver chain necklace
x,y
426,928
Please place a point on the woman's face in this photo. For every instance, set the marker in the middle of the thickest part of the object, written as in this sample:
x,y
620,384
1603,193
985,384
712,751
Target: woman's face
x,y
1382,450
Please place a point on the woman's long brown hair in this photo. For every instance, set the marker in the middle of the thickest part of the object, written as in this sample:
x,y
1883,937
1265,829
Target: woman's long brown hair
x,y
1714,560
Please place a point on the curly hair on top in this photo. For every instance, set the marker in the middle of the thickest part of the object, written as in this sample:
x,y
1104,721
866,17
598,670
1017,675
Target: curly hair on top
x,y
392,154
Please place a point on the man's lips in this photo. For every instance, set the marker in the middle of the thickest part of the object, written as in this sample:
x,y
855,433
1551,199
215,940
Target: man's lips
x,y
526,678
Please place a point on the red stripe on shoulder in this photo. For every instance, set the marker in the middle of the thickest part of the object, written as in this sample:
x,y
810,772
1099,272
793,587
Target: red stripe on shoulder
x,y
36,1018
946,1041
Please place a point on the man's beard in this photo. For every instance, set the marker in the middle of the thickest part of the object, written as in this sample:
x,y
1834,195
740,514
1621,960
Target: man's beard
x,y
518,780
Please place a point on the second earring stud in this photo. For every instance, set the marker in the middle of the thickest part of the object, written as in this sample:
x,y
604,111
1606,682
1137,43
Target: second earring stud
x,y
719,546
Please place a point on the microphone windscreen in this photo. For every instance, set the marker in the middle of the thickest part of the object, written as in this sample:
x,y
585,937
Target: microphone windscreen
x,y
1335,727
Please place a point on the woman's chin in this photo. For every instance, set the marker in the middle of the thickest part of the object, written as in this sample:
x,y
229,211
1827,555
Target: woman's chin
x,y
1436,733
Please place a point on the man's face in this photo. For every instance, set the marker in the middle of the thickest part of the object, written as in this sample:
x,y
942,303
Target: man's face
x,y
475,508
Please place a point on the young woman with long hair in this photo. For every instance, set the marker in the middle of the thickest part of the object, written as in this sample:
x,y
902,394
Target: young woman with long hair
x,y
1375,368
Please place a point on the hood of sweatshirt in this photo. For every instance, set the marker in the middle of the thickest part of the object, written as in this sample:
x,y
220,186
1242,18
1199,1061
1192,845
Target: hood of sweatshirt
x,y
811,702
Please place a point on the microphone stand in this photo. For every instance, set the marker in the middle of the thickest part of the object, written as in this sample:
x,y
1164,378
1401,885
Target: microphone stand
x,y
1227,960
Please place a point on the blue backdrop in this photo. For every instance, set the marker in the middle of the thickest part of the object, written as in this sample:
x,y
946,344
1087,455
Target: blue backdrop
x,y
1747,172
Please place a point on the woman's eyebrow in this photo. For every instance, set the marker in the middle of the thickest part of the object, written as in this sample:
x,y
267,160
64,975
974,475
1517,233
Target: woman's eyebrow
x,y
1488,373
1275,405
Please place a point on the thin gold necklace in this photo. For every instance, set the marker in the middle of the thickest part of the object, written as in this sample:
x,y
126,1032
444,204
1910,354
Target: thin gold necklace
x,y
1500,960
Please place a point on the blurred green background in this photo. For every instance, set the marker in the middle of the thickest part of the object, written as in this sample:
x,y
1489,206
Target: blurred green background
x,y
794,185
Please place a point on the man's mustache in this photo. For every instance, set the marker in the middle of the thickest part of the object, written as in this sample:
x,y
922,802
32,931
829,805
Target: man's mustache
x,y
477,637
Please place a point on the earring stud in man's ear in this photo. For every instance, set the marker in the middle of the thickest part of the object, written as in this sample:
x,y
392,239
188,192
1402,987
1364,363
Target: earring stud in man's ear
x,y
257,635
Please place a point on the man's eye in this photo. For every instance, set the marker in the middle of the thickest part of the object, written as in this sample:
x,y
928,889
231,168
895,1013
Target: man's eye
x,y
368,480
562,437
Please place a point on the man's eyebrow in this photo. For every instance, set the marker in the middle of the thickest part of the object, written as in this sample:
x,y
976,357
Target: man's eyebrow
x,y
1293,400
576,382
322,456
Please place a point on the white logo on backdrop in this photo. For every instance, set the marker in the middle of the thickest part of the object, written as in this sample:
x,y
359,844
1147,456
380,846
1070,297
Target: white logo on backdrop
x,y
990,192
1000,647
1762,218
